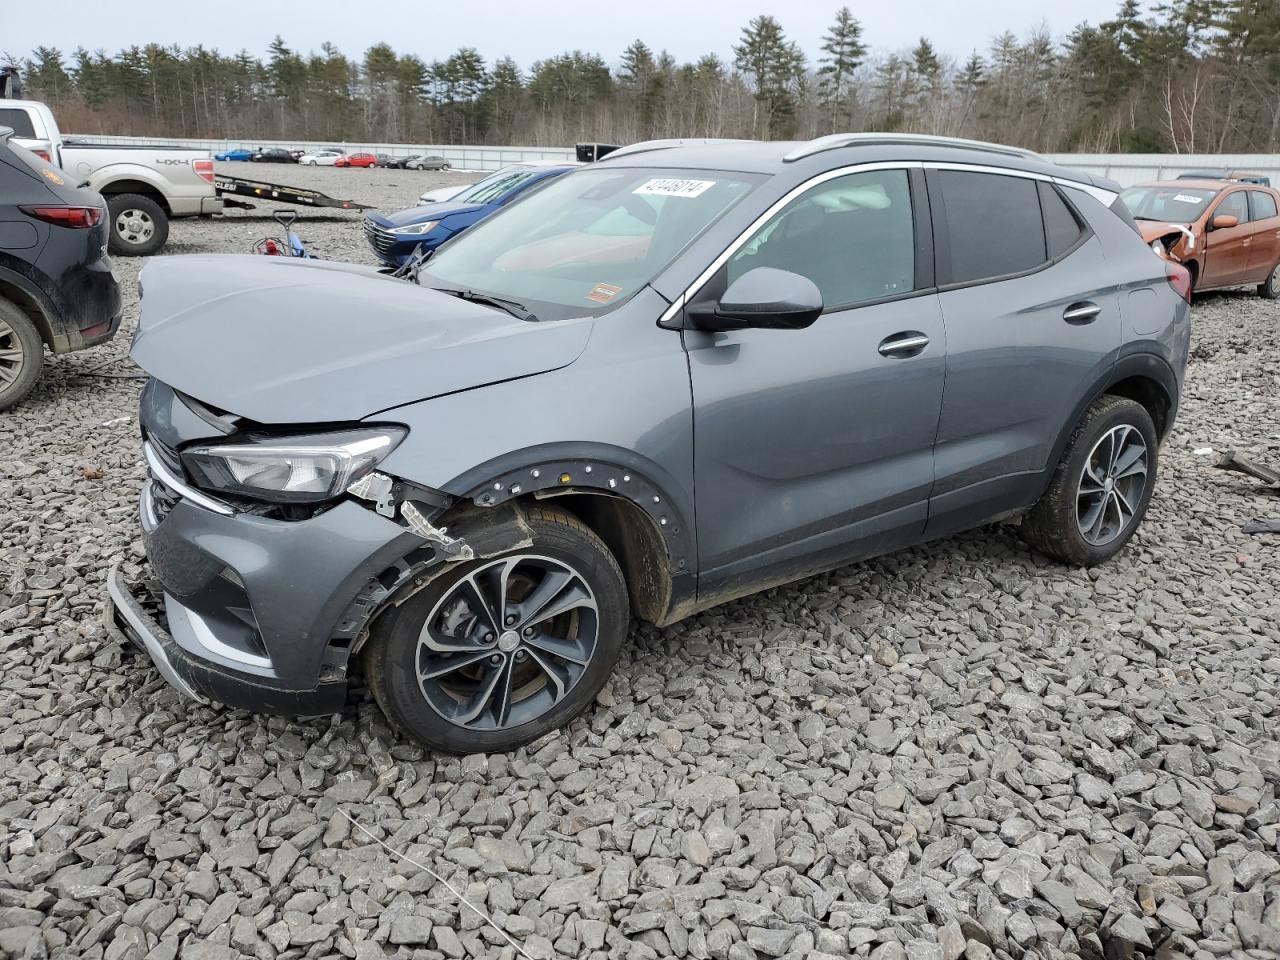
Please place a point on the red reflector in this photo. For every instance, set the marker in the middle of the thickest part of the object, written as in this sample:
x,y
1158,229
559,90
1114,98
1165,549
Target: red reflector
x,y
43,155
96,331
79,217
1179,278
204,169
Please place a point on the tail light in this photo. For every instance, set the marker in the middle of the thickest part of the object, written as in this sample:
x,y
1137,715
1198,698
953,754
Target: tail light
x,y
77,217
1179,278
204,169
43,155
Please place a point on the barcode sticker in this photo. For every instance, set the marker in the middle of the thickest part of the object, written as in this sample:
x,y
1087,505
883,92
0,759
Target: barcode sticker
x,y
673,188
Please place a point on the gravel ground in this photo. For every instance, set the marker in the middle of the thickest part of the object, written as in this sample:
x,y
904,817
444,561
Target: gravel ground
x,y
959,749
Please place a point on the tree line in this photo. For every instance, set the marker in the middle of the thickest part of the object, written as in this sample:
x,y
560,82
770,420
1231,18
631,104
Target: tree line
x,y
1188,76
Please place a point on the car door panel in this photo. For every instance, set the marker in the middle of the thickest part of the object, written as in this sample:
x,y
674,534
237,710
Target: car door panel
x,y
814,446
1020,352
1227,248
1264,251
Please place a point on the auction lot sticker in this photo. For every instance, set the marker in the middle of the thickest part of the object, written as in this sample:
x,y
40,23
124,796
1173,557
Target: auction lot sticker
x,y
673,188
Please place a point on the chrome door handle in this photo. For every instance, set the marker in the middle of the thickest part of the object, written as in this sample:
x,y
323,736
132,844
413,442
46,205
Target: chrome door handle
x,y
1083,312
903,344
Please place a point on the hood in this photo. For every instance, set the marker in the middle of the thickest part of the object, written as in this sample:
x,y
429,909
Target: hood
x,y
1155,229
431,211
283,340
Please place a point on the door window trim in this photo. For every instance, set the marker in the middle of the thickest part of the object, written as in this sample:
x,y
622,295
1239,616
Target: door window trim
x,y
672,318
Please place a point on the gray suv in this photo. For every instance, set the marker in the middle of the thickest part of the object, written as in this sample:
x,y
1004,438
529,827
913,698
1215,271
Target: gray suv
x,y
685,373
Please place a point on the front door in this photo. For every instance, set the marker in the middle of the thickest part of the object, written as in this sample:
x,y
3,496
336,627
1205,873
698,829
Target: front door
x,y
1226,259
813,447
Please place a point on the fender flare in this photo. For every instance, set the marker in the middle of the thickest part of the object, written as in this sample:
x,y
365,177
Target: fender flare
x,y
49,319
1148,365
591,468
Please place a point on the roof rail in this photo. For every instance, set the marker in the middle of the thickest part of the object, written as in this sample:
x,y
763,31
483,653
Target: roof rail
x,y
837,140
645,146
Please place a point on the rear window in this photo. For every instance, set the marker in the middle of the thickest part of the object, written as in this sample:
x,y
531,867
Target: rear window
x,y
19,120
1264,204
994,226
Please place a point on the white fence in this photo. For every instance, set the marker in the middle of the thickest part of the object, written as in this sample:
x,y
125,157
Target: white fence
x,y
465,157
1126,168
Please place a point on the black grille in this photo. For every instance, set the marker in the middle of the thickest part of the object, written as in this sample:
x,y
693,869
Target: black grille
x,y
381,239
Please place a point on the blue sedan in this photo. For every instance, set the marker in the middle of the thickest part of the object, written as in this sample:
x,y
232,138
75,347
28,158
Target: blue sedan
x,y
239,153
395,238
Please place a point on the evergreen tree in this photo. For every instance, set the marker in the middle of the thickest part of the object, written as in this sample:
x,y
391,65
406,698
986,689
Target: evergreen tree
x,y
844,52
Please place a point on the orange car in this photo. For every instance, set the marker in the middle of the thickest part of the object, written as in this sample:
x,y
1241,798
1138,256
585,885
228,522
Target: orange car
x,y
1227,233
357,160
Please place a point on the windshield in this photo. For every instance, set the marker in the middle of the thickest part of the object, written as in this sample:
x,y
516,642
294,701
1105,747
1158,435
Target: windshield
x,y
1175,204
588,240
492,188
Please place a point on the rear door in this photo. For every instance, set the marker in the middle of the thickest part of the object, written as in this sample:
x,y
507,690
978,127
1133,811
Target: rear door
x,y
813,447
1227,248
1032,321
1264,250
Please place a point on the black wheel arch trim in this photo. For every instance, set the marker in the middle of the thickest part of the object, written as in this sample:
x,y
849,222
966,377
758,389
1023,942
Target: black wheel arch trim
x,y
1146,365
48,321
592,468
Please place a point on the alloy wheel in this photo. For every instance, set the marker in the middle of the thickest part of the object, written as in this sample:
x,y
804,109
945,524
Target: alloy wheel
x,y
134,226
1112,485
12,356
507,642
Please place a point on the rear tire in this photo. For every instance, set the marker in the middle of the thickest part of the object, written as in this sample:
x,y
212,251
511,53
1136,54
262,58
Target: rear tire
x,y
1101,487
21,355
139,226
470,686
1270,288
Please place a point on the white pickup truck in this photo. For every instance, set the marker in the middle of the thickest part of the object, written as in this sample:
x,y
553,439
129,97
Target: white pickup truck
x,y
144,186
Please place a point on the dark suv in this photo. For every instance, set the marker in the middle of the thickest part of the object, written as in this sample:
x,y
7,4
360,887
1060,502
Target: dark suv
x,y
679,375
57,289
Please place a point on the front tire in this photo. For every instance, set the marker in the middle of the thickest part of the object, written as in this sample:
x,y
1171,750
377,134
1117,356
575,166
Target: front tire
x,y
1270,288
494,653
139,225
1101,488
21,355
444,166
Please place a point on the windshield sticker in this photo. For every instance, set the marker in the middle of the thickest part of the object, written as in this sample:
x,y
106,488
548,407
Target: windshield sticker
x,y
673,188
603,292
1186,199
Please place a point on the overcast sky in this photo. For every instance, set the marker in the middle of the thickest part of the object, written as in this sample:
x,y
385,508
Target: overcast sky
x,y
526,29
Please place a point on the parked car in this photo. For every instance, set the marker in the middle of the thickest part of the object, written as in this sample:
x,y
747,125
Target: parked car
x,y
145,186
273,155
1227,233
321,158
357,160
1244,176
386,160
239,153
398,237
424,161
476,495
57,287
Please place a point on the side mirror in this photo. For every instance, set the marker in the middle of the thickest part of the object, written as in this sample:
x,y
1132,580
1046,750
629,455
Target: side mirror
x,y
1224,221
764,298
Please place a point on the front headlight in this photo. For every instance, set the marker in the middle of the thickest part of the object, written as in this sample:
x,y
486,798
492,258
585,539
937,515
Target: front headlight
x,y
302,469
415,229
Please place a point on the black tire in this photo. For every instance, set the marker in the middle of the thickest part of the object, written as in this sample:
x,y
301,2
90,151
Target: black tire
x,y
140,234
1054,524
444,166
392,655
1270,288
18,374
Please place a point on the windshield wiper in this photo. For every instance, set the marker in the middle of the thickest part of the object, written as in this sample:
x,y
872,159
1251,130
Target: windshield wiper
x,y
517,310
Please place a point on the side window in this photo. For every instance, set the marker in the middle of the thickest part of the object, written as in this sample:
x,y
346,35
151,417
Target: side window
x,y
993,223
852,236
18,121
1061,228
1262,205
1234,205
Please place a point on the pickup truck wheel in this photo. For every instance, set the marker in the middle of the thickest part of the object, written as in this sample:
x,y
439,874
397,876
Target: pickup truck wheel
x,y
496,652
1270,288
21,355
1101,488
139,226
